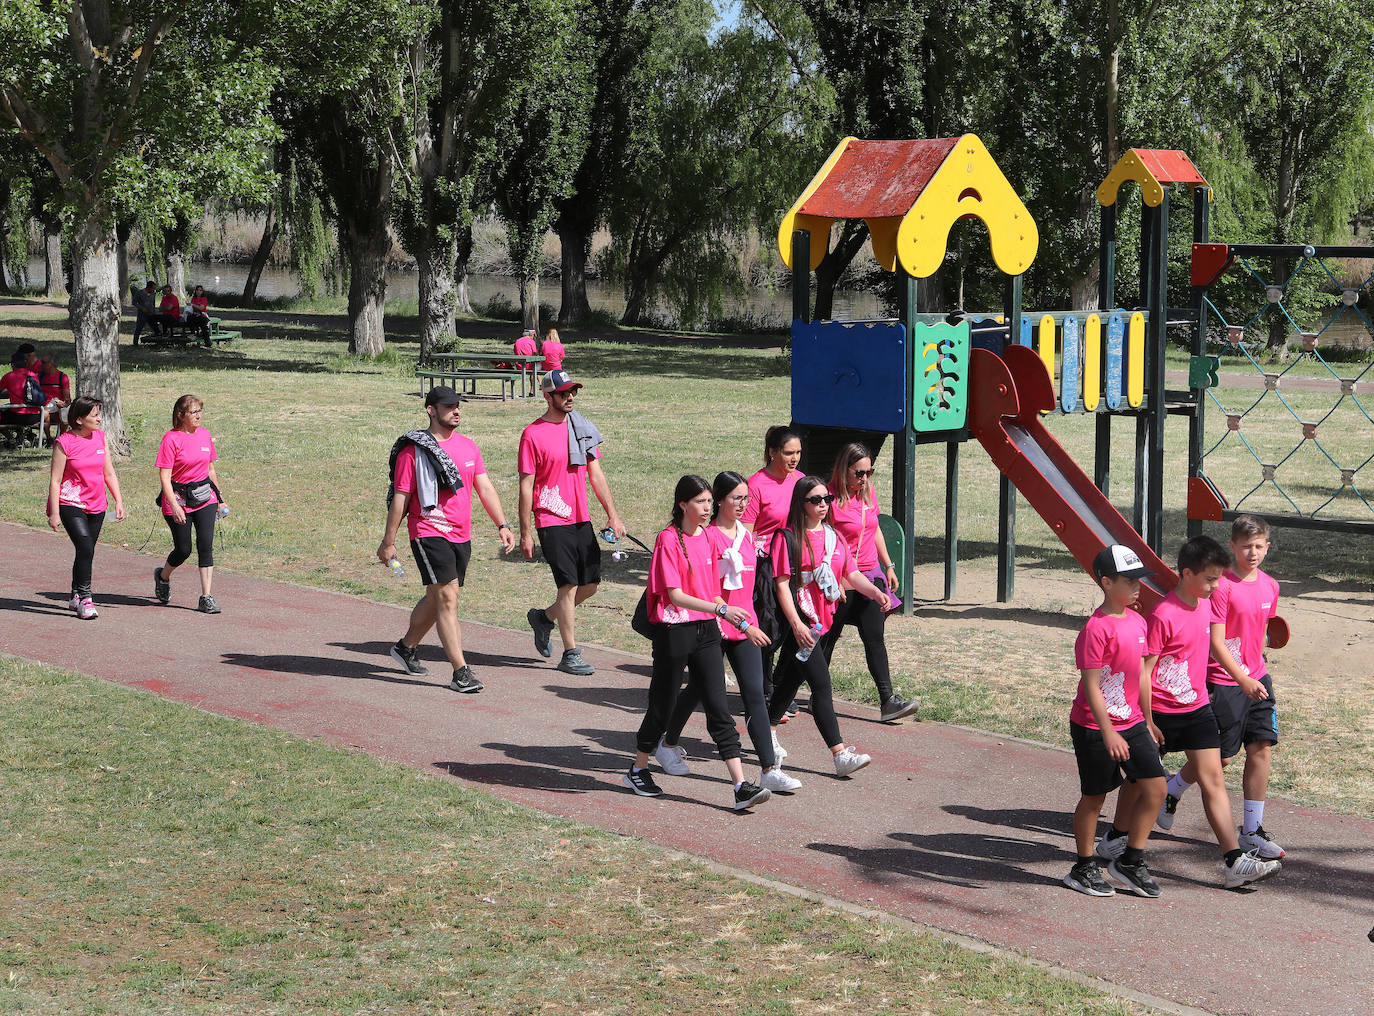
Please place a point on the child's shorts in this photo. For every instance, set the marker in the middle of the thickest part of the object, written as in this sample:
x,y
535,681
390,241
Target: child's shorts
x,y
1242,721
1194,731
1099,773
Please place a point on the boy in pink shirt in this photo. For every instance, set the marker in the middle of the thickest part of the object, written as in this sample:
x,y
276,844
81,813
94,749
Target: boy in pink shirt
x,y
1179,641
1111,732
1238,681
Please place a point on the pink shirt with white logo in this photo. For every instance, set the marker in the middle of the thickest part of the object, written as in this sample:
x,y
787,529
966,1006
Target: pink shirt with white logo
x,y
857,524
83,477
695,574
744,596
1113,646
188,456
769,501
1245,608
451,518
560,490
1181,636
810,601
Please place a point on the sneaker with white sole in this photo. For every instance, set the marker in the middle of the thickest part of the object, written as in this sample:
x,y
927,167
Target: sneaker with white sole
x,y
75,602
208,605
779,752
543,631
573,663
1261,844
641,783
749,794
1245,869
849,761
86,609
1136,877
1086,877
779,782
465,681
408,659
895,708
1109,848
672,759
1168,811
162,588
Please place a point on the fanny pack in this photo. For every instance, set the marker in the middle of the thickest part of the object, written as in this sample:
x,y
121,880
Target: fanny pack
x,y
193,495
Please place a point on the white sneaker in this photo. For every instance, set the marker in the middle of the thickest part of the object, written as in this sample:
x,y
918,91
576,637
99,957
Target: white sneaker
x,y
1111,849
850,761
1247,868
778,750
1261,843
672,760
779,782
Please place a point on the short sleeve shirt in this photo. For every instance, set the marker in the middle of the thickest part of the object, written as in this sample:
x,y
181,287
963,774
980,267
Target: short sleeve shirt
x,y
769,501
1181,636
553,354
83,477
451,518
524,346
811,602
12,385
857,523
560,490
188,456
1114,647
1245,608
693,572
744,596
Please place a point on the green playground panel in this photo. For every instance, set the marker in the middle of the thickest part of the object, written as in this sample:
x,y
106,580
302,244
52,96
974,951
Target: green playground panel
x,y
940,384
896,544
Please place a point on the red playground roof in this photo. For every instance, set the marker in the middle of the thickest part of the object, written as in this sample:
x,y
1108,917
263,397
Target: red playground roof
x,y
877,179
1169,166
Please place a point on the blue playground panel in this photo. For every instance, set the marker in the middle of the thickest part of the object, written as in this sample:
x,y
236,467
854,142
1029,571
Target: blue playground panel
x,y
1070,367
1116,340
851,375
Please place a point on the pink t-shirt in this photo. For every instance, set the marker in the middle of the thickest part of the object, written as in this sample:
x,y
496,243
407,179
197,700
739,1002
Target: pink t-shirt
x,y
188,456
669,569
560,491
524,346
553,354
1245,608
769,500
857,524
451,518
811,603
12,384
83,477
1114,646
744,596
1181,636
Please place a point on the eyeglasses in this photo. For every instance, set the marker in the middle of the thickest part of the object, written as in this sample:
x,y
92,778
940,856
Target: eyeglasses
x,y
861,473
819,499
738,498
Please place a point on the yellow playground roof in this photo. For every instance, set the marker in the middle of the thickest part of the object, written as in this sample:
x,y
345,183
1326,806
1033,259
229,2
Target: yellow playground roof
x,y
1153,169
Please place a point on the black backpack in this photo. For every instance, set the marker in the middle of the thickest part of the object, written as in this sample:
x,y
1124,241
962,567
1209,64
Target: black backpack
x,y
33,391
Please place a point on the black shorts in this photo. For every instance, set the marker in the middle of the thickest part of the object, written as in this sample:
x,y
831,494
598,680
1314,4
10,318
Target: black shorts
x,y
1099,773
1193,731
1241,721
572,553
441,561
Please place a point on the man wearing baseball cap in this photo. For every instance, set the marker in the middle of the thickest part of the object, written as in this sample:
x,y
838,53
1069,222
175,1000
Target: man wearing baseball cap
x,y
559,455
434,473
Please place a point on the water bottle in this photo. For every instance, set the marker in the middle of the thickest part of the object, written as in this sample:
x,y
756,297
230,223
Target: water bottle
x,y
805,654
608,534
396,570
222,512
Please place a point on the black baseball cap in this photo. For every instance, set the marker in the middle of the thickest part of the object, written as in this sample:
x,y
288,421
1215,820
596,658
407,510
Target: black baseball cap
x,y
1116,561
442,395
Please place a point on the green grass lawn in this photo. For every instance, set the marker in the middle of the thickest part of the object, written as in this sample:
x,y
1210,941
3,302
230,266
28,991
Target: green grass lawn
x,y
157,859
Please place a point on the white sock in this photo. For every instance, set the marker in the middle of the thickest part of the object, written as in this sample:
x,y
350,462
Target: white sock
x,y
1254,816
739,784
1178,786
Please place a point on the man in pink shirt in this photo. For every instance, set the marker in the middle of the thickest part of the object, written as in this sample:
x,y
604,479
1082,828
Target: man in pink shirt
x,y
553,503
440,531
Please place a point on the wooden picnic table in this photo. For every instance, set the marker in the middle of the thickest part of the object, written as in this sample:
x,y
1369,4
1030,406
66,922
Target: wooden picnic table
x,y
182,332
464,370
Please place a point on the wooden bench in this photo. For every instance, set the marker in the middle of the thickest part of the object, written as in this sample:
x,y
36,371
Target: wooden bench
x,y
20,435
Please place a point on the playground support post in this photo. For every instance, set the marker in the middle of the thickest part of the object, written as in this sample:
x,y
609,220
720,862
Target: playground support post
x,y
1202,226
1006,492
951,518
1158,304
801,275
904,444
1106,300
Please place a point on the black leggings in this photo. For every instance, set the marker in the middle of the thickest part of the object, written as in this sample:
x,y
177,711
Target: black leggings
x,y
868,617
695,647
84,529
747,663
204,521
814,671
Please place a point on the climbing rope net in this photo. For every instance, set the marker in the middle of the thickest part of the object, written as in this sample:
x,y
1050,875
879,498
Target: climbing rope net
x,y
1306,424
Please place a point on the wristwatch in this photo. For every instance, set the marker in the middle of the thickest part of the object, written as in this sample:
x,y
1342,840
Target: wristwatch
x,y
502,525
721,609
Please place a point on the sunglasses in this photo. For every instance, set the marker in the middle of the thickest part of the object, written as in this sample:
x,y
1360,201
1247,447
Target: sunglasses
x,y
861,473
819,499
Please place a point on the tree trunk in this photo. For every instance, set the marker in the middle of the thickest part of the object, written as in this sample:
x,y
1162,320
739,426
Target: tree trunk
x,y
368,245
122,232
437,294
529,300
836,260
576,245
94,309
260,256
55,283
462,299
176,271
637,285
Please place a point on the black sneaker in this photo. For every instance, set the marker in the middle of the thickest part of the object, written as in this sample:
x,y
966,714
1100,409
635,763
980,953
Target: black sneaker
x,y
1135,876
162,588
464,680
641,783
408,659
543,630
749,794
896,707
792,709
1087,878
208,605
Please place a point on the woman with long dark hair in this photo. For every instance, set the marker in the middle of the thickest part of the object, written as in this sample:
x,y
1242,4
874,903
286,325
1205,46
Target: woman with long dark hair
x,y
81,470
684,603
736,563
190,499
809,562
854,515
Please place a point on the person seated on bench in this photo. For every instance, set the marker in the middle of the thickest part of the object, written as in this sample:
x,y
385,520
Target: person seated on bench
x,y
198,317
57,390
146,308
524,346
12,391
552,350
169,310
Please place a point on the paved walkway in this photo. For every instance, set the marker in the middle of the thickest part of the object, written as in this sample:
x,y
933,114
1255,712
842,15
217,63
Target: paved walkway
x,y
955,829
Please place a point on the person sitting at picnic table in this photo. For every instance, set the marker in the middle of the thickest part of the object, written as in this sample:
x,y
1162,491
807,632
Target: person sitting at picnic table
x,y
552,350
12,393
57,390
146,310
170,308
198,317
524,346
